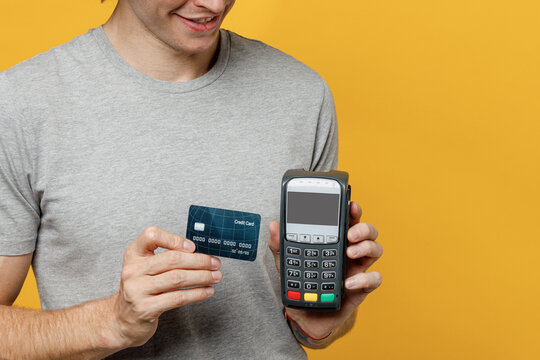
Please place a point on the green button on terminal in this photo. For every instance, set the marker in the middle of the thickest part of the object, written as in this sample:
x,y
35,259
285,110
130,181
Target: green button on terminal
x,y
327,297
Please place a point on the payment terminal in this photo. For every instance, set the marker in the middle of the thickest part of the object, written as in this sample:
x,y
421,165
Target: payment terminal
x,y
313,238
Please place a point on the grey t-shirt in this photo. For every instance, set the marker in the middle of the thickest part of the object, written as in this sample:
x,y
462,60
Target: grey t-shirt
x,y
92,152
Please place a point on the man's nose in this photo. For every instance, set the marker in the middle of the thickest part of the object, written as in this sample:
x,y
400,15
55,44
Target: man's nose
x,y
216,6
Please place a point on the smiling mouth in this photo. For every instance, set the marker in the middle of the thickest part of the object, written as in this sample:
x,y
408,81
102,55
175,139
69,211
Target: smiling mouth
x,y
200,24
202,21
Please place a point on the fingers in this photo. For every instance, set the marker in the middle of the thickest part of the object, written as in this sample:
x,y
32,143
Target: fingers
x,y
273,241
154,283
139,290
153,237
360,265
366,248
153,306
177,279
363,247
173,259
366,282
364,255
355,213
362,231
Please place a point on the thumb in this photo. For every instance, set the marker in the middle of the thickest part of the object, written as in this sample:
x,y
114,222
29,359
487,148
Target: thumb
x,y
273,242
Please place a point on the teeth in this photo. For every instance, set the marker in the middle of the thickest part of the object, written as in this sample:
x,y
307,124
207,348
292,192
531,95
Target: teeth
x,y
202,21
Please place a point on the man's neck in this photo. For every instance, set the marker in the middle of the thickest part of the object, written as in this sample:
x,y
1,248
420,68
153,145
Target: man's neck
x,y
141,49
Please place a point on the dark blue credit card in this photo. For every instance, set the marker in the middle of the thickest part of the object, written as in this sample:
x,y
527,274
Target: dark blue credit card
x,y
221,232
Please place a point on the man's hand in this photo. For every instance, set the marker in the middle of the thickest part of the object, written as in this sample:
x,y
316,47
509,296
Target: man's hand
x,y
154,283
362,252
151,284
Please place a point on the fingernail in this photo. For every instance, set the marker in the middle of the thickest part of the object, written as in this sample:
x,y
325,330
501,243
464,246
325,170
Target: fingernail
x,y
349,283
210,290
215,263
216,275
188,245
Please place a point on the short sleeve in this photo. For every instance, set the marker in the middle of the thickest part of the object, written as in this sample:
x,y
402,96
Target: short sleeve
x,y
325,151
19,211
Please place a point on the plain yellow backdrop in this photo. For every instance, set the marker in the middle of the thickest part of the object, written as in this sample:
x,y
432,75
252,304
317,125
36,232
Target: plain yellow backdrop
x,y
439,120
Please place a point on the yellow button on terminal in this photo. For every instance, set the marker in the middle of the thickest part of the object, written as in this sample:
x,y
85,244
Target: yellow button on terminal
x,y
310,297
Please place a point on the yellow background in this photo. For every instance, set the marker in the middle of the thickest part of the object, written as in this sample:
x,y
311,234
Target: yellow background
x,y
439,109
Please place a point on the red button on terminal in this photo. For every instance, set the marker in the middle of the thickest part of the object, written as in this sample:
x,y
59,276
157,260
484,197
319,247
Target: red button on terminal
x,y
293,295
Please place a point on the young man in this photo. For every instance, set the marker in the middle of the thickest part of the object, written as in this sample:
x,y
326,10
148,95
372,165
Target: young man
x,y
106,141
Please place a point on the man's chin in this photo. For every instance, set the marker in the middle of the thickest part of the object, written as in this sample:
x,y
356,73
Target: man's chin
x,y
196,46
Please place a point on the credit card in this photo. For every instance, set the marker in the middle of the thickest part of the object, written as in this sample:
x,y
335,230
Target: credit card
x,y
221,232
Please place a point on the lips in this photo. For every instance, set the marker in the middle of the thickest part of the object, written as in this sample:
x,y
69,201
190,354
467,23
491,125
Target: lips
x,y
200,23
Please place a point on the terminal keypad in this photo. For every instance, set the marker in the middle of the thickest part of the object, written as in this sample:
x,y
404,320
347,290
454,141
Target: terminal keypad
x,y
311,270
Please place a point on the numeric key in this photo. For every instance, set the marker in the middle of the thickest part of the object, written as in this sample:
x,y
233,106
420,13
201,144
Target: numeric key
x,y
293,262
293,273
328,264
310,286
328,275
293,251
329,253
311,252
